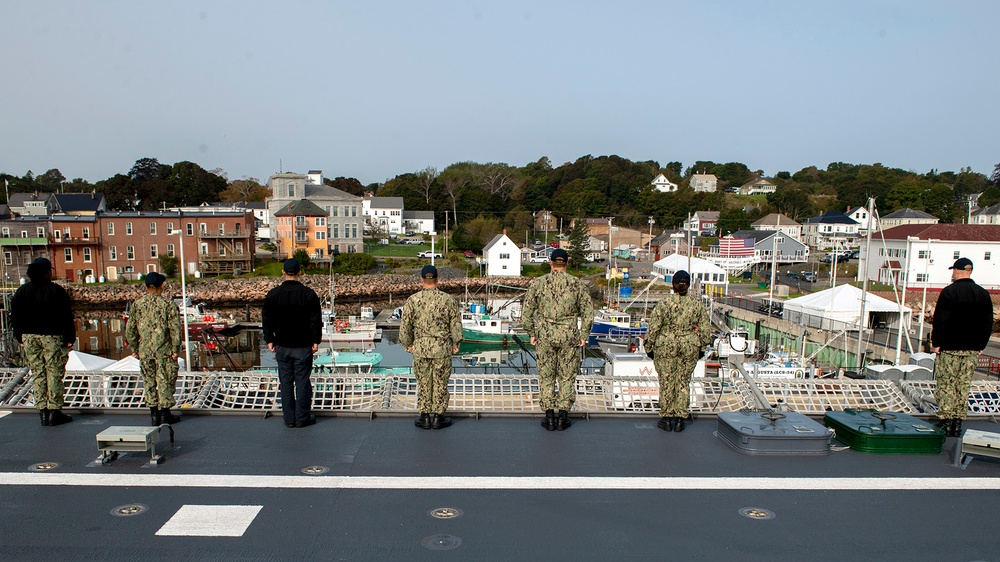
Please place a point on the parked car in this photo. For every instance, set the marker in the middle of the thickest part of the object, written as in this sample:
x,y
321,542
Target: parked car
x,y
554,244
809,276
539,259
791,275
469,254
856,254
428,254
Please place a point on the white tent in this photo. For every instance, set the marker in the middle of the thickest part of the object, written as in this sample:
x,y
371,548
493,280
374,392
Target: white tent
x,y
127,364
707,272
840,307
79,361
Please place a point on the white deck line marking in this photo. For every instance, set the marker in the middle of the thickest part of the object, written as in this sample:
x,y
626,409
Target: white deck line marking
x,y
491,482
5,413
210,521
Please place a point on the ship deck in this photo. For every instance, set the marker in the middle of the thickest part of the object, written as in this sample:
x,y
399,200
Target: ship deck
x,y
233,487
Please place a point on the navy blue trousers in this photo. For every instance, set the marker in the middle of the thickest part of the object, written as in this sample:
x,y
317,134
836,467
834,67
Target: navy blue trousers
x,y
294,366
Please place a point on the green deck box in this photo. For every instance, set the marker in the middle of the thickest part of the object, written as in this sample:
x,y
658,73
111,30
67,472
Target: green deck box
x,y
871,431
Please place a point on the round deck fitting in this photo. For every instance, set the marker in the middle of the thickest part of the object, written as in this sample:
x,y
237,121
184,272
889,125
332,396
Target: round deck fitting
x,y
445,513
756,513
129,510
441,542
43,466
315,470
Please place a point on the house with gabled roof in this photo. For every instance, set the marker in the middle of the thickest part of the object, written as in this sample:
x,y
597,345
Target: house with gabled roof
x,y
33,204
663,185
301,225
84,204
503,257
706,183
772,245
780,223
906,216
831,229
865,221
986,215
758,186
344,211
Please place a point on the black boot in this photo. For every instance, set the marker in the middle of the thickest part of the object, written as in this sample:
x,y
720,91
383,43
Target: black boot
x,y
956,428
167,417
666,424
56,417
549,421
423,422
44,414
439,421
155,417
678,425
563,422
945,425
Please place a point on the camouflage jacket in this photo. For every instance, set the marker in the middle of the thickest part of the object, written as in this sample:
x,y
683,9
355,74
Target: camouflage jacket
x,y
154,327
678,325
557,309
430,323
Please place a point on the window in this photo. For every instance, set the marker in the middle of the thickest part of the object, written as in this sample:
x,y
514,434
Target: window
x,y
190,229
921,278
239,248
6,232
130,252
354,211
354,231
333,210
320,235
24,234
291,190
505,256
86,255
153,253
111,229
93,343
956,256
112,253
170,249
986,256
238,228
128,229
301,237
335,232
68,255
41,231
202,228
85,232
923,254
320,221
152,228
8,258
204,248
222,250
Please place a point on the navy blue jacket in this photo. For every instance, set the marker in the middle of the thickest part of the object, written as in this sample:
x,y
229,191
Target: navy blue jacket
x,y
963,317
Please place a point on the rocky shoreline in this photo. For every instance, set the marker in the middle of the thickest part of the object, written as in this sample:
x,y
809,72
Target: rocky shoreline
x,y
238,293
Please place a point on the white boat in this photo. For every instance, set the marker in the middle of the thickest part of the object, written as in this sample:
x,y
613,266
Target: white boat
x,y
351,329
611,323
481,326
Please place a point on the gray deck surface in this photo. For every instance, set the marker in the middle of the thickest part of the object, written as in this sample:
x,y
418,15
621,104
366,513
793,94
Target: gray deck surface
x,y
74,522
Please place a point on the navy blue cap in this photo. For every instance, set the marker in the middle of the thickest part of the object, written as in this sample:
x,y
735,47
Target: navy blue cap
x,y
429,272
291,266
964,264
681,277
559,256
154,279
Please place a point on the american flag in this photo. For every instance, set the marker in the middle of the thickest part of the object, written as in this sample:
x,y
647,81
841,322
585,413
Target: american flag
x,y
736,247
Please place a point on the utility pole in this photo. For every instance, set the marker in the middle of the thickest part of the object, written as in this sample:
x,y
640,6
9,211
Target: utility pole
x,y
446,233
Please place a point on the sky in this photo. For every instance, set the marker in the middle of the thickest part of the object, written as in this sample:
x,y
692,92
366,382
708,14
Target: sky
x,y
375,89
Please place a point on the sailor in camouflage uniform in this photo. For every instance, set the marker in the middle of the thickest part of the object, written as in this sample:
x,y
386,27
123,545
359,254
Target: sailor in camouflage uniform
x,y
431,329
558,315
42,320
963,323
678,330
153,330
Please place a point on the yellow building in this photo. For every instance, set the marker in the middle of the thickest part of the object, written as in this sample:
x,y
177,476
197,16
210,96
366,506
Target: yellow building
x,y
301,225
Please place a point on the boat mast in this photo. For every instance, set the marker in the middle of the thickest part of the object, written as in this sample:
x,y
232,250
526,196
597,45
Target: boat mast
x,y
864,284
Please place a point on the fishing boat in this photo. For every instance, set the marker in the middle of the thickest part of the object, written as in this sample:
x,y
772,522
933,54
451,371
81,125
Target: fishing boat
x,y
478,325
615,327
199,318
351,329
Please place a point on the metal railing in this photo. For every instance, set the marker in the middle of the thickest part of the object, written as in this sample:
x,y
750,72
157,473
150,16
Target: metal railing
x,y
510,393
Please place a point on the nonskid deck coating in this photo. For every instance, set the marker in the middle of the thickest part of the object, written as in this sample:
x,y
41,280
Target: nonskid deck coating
x,y
397,473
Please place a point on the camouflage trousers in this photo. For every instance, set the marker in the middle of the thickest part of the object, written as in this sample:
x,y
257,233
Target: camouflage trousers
x,y
674,374
159,379
432,383
46,357
953,371
557,365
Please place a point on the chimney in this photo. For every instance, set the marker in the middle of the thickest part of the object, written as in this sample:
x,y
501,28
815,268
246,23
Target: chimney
x,y
505,232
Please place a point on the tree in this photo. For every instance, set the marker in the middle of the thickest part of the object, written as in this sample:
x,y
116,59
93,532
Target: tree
x,y
579,240
498,179
995,176
990,196
425,180
191,185
244,190
117,192
50,181
455,180
791,201
302,256
168,264
347,185
676,168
